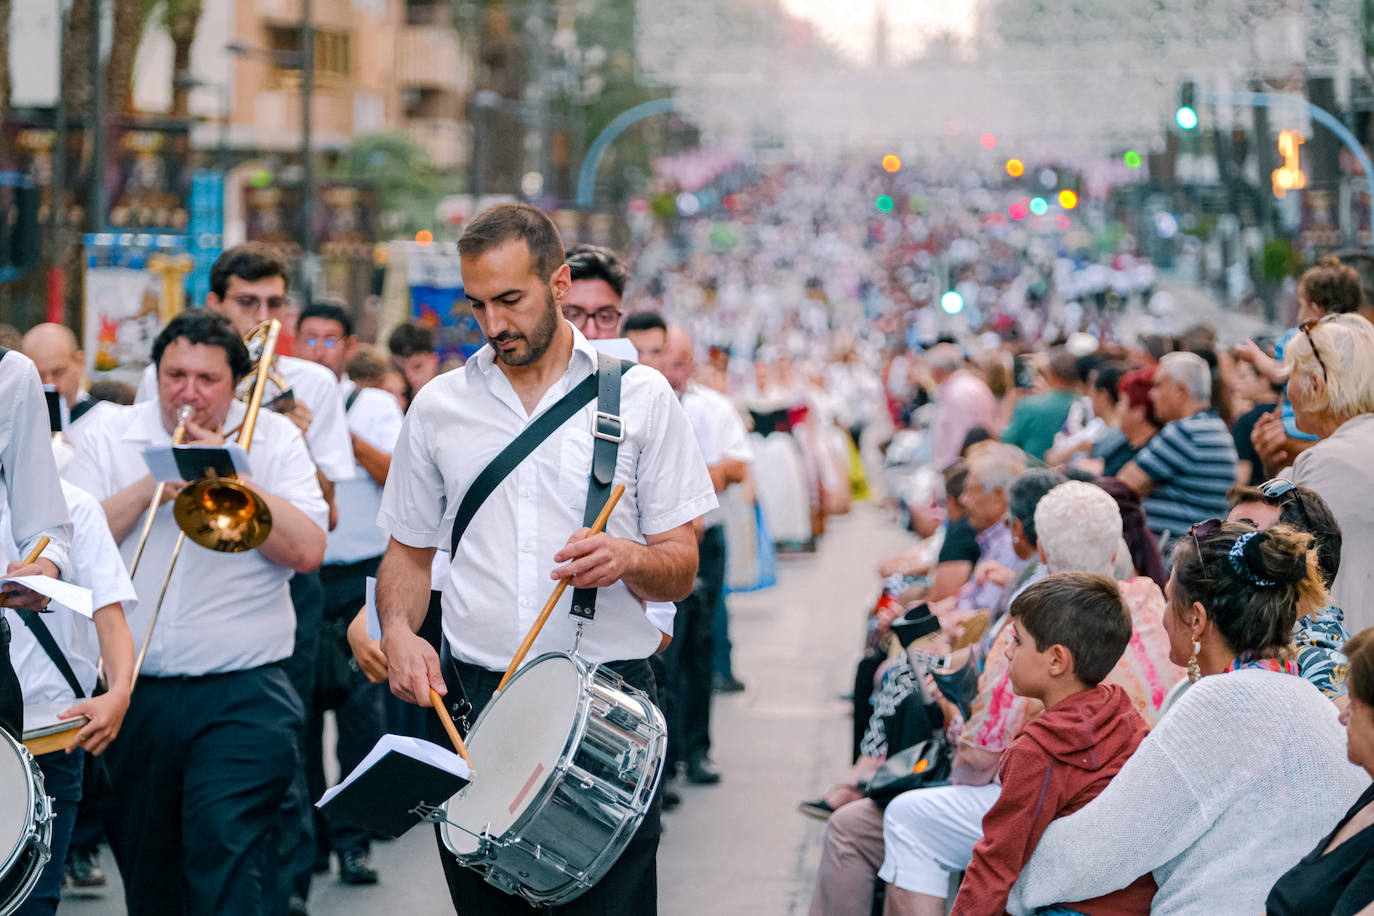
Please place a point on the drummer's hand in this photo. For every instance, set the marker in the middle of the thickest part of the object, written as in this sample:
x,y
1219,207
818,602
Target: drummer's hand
x,y
367,651
412,666
106,713
594,562
199,435
20,597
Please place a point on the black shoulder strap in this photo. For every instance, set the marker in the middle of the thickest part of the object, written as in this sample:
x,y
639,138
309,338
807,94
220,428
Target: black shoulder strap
x,y
520,448
608,430
348,401
45,639
3,351
77,412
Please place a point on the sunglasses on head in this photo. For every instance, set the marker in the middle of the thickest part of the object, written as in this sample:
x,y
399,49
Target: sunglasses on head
x,y
1200,532
1306,328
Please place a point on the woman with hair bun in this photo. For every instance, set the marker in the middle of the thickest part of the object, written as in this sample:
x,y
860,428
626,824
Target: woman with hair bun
x,y
1243,775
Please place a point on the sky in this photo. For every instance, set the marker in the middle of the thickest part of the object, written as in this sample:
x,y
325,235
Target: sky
x,y
849,24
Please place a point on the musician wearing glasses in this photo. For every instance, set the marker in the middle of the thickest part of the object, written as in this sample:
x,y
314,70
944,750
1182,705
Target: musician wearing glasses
x,y
1331,387
206,751
1184,472
527,534
598,284
355,549
29,487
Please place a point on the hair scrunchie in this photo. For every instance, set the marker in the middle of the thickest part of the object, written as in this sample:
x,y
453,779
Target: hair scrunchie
x,y
1246,561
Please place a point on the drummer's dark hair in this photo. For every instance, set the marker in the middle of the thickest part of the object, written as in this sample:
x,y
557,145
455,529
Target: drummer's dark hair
x,y
504,223
202,326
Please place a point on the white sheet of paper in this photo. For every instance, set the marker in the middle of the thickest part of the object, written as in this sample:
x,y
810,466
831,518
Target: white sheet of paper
x,y
163,464
415,748
72,597
374,621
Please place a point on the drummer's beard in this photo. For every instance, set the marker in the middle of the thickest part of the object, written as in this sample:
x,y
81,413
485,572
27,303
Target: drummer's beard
x,y
537,342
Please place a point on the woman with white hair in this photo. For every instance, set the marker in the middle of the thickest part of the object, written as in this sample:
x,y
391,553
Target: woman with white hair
x,y
1331,386
929,833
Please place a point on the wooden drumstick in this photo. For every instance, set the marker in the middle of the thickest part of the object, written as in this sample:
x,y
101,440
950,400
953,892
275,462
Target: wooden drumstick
x,y
31,558
533,634
449,727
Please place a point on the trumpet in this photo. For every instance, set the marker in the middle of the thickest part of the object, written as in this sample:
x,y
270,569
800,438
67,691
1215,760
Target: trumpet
x,y
219,513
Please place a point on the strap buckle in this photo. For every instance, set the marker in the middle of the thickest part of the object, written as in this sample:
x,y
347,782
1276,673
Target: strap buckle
x,y
608,426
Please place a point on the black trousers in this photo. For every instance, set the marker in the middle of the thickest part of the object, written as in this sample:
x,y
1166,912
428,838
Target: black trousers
x,y
690,658
295,834
198,774
359,718
11,700
629,888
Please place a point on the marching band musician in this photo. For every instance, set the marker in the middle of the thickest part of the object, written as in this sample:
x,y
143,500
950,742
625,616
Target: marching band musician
x,y
30,488
354,550
61,363
52,681
207,749
518,544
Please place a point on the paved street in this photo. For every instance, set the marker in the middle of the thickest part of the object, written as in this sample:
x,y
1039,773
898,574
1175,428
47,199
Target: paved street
x,y
740,847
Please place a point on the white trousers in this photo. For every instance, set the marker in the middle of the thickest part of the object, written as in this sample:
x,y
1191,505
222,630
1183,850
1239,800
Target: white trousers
x,y
929,833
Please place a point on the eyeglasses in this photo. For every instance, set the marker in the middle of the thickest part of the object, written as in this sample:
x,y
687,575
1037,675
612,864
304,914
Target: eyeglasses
x,y
1306,328
607,317
1199,533
252,302
328,343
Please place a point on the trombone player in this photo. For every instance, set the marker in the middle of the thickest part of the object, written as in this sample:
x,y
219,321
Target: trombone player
x,y
206,751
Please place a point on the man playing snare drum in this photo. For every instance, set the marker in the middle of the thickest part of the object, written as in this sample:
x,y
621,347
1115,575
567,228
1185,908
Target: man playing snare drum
x,y
527,535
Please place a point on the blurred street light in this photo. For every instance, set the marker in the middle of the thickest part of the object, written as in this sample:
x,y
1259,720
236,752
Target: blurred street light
x,y
1016,168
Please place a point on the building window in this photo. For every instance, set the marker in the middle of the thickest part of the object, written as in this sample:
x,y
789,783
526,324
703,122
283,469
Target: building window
x,y
333,54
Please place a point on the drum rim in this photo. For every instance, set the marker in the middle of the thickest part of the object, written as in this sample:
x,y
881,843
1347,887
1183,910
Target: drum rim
x,y
32,839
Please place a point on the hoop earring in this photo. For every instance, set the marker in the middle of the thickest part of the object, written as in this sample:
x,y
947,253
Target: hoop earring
x,y
1194,671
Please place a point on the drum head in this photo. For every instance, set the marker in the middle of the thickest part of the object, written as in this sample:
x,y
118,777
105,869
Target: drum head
x,y
516,748
16,800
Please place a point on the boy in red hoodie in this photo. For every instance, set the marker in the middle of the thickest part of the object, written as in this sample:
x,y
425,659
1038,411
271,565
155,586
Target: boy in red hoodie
x,y
1070,630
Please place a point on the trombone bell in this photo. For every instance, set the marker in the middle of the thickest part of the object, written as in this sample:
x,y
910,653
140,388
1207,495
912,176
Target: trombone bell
x,y
222,514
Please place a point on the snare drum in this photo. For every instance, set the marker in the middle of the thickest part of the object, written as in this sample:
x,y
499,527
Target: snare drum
x,y
25,824
566,761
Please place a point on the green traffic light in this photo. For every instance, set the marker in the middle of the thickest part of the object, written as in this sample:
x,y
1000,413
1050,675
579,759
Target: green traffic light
x,y
884,203
1186,118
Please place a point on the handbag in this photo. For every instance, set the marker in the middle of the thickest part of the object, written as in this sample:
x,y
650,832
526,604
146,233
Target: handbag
x,y
923,764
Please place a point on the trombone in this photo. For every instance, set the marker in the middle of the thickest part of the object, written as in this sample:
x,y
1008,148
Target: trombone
x,y
219,513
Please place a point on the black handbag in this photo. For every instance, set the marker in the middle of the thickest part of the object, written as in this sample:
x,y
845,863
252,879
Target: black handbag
x,y
920,765
334,666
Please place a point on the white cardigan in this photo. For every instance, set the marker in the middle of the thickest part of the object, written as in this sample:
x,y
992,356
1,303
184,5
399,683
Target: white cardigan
x,y
1239,781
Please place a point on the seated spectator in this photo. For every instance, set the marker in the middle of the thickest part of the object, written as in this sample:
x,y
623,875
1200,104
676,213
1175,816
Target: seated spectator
x,y
962,403
1331,385
992,469
1320,631
1259,395
1078,528
1183,474
1337,877
1068,632
1038,417
1244,774
1102,384
1140,542
1135,424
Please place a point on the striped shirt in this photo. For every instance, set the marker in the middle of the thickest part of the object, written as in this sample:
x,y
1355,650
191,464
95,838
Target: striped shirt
x,y
1192,464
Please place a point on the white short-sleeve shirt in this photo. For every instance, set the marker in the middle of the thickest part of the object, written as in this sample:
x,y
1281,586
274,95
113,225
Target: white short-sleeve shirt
x,y
500,577
315,387
223,611
97,565
28,473
375,417
720,430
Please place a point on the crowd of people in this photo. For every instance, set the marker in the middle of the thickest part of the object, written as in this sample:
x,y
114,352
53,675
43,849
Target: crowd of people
x,y
1121,650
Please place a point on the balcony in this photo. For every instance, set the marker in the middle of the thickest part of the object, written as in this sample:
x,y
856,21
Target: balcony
x,y
445,139
430,56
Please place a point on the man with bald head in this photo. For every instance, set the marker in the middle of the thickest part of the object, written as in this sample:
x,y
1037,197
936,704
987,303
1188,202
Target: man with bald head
x,y
61,363
725,444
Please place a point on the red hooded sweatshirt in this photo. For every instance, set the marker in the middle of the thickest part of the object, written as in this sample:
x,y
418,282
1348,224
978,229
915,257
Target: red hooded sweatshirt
x,y
1059,763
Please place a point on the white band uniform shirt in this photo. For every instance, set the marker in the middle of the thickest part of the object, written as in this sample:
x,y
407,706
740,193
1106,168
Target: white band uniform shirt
x,y
375,417
97,565
499,580
315,387
717,422
223,611
28,473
